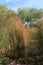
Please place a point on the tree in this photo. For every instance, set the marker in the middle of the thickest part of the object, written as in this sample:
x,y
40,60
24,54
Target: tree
x,y
30,15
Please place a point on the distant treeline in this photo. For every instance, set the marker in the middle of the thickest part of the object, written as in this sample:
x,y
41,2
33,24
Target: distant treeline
x,y
29,14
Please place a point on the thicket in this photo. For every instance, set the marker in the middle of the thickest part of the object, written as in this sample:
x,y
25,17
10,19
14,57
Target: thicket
x,y
18,41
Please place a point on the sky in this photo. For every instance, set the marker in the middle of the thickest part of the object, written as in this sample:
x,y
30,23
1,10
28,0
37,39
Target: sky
x,y
15,4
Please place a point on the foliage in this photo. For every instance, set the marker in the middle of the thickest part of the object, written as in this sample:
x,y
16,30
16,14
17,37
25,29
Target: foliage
x,y
30,14
16,40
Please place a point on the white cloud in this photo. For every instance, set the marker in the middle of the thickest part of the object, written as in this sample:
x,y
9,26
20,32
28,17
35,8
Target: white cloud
x,y
12,0
8,0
